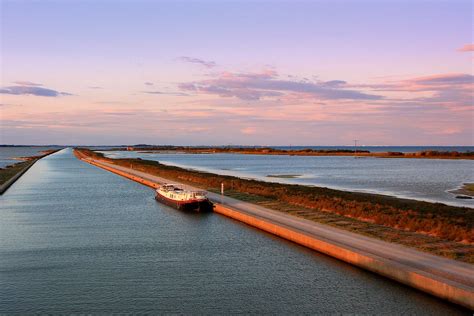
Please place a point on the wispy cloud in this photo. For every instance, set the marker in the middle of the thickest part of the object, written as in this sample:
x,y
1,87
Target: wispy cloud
x,y
32,90
442,79
148,83
95,87
254,86
27,83
425,83
466,48
193,60
452,90
179,94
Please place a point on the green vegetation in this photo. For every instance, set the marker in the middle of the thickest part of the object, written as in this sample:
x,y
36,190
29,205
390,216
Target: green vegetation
x,y
434,227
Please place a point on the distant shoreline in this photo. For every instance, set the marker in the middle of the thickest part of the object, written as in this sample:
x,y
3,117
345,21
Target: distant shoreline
x,y
371,148
429,154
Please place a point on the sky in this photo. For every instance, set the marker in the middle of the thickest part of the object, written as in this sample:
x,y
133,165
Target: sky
x,y
237,72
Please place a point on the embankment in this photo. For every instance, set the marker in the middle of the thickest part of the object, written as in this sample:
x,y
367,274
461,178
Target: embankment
x,y
11,174
444,278
420,279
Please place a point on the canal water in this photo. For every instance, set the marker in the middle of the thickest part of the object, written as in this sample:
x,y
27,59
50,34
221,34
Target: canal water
x,y
78,239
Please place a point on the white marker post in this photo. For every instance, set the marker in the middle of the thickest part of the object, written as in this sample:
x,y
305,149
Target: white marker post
x,y
222,192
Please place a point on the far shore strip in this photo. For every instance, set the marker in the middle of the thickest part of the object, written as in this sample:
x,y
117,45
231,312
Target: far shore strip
x,y
287,176
428,154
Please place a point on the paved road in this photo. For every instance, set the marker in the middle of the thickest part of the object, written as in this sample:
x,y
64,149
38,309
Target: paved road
x,y
438,267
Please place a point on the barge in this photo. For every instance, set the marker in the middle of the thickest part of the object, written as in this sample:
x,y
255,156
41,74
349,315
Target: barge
x,y
180,199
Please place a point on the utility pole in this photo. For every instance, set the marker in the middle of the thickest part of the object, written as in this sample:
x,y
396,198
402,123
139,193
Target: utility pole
x,y
355,147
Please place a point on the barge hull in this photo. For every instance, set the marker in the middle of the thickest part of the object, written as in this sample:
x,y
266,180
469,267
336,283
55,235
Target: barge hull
x,y
194,206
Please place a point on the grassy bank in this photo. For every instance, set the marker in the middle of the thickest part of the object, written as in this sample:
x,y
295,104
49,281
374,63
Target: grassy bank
x,y
433,227
11,171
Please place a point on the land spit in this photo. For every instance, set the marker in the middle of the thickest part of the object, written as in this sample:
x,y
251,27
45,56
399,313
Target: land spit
x,y
445,278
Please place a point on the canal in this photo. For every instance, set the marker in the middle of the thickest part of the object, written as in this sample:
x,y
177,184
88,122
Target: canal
x,y
77,239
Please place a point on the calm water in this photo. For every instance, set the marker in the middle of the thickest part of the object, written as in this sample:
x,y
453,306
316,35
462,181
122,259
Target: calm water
x,y
423,179
75,238
8,153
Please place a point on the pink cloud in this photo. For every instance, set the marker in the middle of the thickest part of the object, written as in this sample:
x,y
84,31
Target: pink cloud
x,y
248,130
258,85
466,48
443,80
450,131
454,90
424,83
